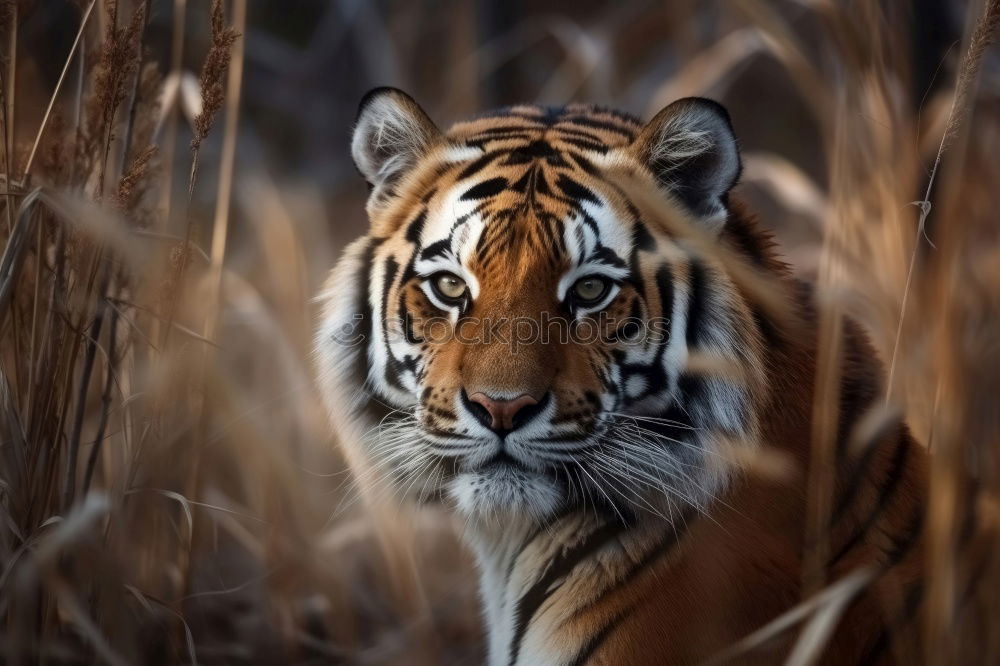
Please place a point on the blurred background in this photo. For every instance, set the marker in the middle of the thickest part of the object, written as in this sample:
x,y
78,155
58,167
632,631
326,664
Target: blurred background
x,y
169,489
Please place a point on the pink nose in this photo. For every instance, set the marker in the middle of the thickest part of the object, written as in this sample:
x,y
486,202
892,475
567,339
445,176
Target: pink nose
x,y
503,411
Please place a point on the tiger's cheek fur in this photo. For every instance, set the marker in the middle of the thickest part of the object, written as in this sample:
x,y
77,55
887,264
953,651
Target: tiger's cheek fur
x,y
443,382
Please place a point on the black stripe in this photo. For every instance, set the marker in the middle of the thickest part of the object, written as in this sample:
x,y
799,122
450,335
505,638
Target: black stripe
x,y
549,232
857,473
539,185
393,368
560,567
436,249
660,550
506,129
597,640
414,229
413,232
591,223
585,164
523,184
606,255
913,599
861,388
618,114
769,330
487,248
752,243
544,528
665,281
905,543
655,372
580,134
481,142
599,124
673,536
629,330
485,189
407,322
586,145
895,475
575,190
536,150
855,478
642,239
690,392
391,269
696,303
478,165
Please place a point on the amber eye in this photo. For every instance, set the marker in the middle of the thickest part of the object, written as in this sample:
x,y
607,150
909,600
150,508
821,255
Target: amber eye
x,y
590,290
449,287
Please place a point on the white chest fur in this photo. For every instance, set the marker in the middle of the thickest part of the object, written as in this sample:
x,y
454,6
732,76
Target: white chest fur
x,y
533,580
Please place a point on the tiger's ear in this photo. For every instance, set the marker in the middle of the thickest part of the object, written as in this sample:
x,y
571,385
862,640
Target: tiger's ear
x,y
691,150
391,134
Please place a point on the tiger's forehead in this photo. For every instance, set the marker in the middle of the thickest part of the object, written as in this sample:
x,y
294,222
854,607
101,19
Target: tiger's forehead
x,y
585,127
521,190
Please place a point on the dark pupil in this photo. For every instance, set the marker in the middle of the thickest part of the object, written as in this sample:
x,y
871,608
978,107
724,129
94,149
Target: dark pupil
x,y
589,289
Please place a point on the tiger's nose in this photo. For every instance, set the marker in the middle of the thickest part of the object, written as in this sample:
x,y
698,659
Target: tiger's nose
x,y
503,416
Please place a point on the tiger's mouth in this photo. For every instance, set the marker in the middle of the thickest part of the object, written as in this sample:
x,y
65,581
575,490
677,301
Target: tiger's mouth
x,y
515,478
541,455
501,461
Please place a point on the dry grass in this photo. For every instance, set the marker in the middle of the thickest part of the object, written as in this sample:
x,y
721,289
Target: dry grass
x,y
167,489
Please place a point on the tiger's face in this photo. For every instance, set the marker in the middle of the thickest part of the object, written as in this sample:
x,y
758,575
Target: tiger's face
x,y
516,332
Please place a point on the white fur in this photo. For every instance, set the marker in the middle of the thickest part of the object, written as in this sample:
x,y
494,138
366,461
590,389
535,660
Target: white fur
x,y
510,565
577,232
388,125
504,494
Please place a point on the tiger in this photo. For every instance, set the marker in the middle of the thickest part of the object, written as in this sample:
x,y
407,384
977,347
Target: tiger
x,y
564,326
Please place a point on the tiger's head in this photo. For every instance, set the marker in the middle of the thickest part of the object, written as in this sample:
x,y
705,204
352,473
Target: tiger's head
x,y
523,333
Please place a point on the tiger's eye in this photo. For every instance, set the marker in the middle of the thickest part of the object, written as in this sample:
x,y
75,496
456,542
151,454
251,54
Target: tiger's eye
x,y
589,289
450,286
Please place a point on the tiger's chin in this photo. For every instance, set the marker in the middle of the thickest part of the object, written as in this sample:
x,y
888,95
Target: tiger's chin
x,y
506,493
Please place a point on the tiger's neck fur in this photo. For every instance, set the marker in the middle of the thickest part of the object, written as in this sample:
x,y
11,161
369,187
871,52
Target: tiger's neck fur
x,y
538,583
